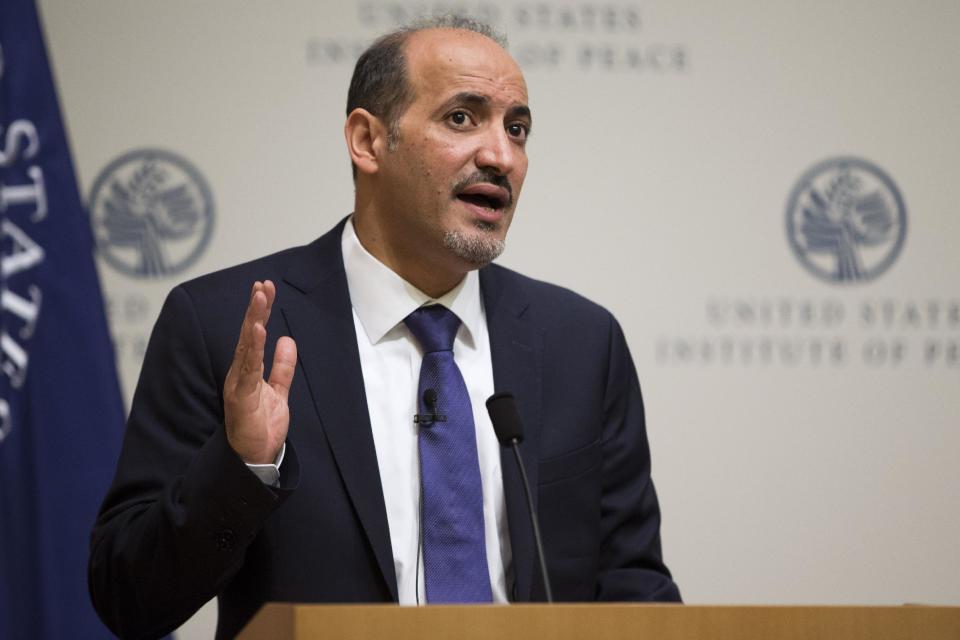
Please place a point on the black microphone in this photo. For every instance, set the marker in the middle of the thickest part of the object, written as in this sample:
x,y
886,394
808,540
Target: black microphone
x,y
509,429
427,419
430,399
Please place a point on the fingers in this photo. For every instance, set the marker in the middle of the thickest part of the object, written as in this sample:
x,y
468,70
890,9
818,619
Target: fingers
x,y
270,291
246,371
284,365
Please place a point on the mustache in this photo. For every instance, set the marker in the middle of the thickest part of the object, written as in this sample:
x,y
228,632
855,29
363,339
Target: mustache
x,y
485,176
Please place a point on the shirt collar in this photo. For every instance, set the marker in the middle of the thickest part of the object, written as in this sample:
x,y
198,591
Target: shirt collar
x,y
382,299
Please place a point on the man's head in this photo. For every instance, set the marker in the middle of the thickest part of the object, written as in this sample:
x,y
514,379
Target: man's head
x,y
380,84
436,127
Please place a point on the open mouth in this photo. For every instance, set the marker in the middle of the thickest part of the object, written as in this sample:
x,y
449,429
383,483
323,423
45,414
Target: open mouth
x,y
486,202
485,196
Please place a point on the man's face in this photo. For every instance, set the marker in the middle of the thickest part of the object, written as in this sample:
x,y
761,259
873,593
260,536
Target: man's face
x,y
451,181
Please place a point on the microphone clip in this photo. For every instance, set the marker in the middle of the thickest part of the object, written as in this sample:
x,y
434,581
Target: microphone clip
x,y
427,419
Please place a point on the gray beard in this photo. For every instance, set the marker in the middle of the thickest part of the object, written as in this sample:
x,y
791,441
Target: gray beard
x,y
475,248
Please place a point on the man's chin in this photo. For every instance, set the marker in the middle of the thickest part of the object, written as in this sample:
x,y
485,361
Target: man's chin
x,y
476,247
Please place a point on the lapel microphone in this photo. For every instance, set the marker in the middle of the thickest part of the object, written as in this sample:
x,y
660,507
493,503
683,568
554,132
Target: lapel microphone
x,y
427,419
509,429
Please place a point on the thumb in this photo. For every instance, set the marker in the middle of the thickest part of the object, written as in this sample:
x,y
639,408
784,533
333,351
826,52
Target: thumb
x,y
284,364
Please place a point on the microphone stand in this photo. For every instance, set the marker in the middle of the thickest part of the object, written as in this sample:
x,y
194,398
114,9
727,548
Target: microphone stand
x,y
538,543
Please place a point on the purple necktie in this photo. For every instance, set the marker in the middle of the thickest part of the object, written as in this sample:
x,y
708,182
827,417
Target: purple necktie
x,y
454,547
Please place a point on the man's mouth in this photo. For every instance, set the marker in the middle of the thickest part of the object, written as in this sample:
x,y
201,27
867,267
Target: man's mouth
x,y
486,196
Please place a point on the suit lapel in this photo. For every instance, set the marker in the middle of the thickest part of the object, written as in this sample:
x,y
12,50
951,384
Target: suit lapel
x,y
516,347
320,319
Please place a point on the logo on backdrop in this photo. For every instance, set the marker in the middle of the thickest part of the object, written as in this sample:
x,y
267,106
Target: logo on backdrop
x,y
846,221
152,213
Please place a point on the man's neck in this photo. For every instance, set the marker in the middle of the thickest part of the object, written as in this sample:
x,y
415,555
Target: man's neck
x,y
435,280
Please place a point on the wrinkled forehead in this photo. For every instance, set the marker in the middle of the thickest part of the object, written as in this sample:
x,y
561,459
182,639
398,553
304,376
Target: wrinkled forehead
x,y
442,60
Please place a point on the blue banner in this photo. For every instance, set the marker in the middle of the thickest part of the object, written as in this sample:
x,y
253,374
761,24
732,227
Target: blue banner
x,y
61,417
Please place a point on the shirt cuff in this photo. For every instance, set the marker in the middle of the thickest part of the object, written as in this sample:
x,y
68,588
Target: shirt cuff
x,y
269,473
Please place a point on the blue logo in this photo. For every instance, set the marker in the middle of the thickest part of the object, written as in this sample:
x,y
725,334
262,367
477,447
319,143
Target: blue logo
x,y
152,213
846,221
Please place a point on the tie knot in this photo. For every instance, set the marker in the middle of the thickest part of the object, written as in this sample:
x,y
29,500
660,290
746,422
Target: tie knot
x,y
434,327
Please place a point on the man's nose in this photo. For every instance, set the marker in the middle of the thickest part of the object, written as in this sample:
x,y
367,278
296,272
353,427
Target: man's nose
x,y
497,151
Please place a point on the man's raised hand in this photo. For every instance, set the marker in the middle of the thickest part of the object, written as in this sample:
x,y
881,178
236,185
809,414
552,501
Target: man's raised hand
x,y
255,410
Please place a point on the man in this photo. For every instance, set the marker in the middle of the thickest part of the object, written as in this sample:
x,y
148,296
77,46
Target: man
x,y
307,486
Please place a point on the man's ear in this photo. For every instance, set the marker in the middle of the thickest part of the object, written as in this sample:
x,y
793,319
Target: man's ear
x,y
366,137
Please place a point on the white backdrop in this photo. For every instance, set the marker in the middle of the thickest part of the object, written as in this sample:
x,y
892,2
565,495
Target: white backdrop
x,y
805,433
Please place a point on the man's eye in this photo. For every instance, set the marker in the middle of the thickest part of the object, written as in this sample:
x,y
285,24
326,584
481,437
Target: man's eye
x,y
459,118
518,130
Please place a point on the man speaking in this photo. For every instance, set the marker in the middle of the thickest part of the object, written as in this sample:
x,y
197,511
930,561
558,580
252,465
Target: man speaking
x,y
321,436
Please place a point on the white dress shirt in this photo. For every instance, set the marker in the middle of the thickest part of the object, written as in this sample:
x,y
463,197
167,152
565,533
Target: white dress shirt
x,y
390,359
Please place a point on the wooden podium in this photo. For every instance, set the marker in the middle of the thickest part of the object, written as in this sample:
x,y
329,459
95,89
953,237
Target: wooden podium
x,y
602,622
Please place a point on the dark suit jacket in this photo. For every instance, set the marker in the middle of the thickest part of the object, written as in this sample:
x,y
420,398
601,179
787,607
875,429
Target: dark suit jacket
x,y
185,520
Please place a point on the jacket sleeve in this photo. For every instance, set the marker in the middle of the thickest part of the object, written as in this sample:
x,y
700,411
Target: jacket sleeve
x,y
631,563
183,507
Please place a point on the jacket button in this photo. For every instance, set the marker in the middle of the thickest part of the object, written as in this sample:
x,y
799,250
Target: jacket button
x,y
226,540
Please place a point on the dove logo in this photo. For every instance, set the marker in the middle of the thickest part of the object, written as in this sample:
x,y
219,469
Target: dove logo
x,y
846,221
152,213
